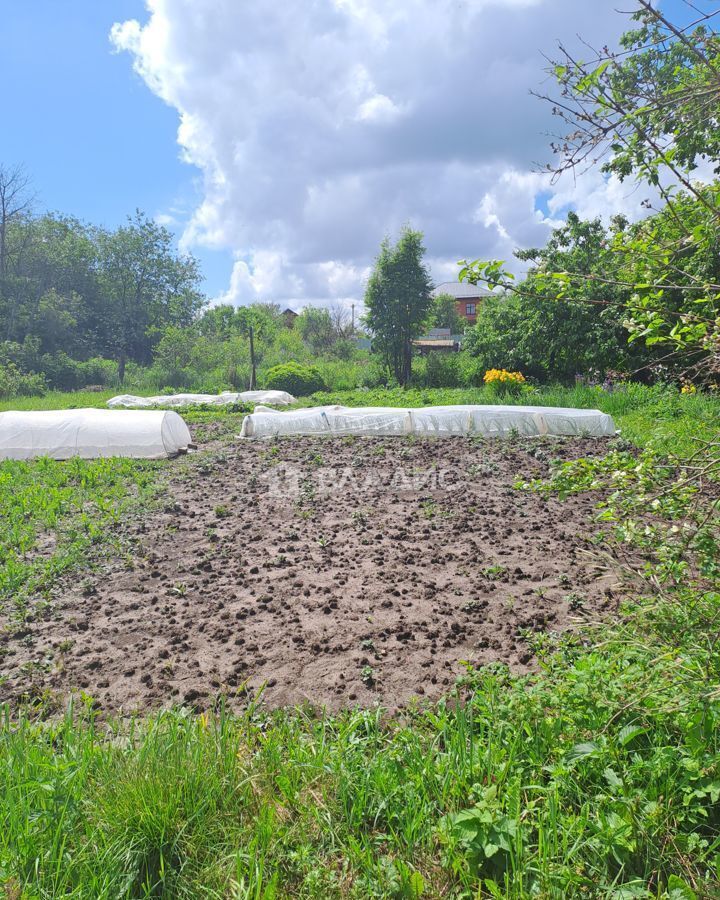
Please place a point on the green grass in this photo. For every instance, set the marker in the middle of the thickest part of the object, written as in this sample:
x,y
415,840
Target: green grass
x,y
597,777
58,516
60,400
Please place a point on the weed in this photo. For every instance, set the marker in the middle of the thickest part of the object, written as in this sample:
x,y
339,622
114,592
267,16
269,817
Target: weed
x,y
57,516
575,601
493,572
360,518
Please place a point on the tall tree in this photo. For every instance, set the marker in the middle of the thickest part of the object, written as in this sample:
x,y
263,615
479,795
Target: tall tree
x,y
648,111
444,314
316,328
583,332
397,301
146,286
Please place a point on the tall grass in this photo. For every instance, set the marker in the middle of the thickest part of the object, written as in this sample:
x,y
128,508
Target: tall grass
x,y
60,400
596,778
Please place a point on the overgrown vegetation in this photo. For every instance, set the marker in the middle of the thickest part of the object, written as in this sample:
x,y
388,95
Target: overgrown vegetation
x,y
644,112
57,516
598,776
295,379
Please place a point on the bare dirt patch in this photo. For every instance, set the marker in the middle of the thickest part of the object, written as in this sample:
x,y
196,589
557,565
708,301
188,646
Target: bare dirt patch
x,y
334,571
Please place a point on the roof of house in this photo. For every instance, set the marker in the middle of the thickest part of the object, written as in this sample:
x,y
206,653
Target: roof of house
x,y
438,343
460,290
289,311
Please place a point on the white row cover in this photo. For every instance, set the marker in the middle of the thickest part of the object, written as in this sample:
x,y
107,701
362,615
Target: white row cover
x,y
177,401
490,421
90,433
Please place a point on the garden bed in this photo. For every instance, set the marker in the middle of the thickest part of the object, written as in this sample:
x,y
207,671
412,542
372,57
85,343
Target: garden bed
x,y
332,571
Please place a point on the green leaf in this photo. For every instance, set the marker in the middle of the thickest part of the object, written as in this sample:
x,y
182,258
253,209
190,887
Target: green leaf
x,y
417,884
679,889
629,733
465,825
582,751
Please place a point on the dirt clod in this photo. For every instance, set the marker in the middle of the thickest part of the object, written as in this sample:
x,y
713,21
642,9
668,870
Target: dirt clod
x,y
342,572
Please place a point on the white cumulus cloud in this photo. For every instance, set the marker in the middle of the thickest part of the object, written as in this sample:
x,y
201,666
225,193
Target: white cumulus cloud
x,y
321,126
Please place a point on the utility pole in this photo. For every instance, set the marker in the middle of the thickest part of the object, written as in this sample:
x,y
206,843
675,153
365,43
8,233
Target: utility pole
x,y
353,319
253,373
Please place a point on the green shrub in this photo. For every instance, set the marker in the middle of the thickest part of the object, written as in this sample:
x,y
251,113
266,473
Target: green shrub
x,y
295,379
472,370
14,383
374,375
438,370
342,374
98,371
61,372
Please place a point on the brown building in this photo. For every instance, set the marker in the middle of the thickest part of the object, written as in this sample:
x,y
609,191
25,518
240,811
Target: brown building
x,y
289,316
468,297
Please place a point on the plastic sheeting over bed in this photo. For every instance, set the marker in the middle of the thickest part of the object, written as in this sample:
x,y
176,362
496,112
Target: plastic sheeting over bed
x,y
91,433
177,401
488,421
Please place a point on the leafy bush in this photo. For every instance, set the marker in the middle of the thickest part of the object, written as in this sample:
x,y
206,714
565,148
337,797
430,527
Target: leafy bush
x,y
66,374
62,372
374,375
438,370
98,371
14,383
295,379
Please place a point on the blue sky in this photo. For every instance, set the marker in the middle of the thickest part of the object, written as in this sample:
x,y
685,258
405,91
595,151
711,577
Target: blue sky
x,y
314,129
96,142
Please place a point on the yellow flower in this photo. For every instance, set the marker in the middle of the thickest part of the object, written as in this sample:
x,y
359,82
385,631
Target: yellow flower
x,y
503,376
688,389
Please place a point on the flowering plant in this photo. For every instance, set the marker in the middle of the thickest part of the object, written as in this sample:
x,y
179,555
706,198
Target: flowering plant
x,y
502,376
502,382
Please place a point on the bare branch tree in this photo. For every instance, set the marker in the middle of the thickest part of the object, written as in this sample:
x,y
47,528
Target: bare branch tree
x,y
341,321
16,199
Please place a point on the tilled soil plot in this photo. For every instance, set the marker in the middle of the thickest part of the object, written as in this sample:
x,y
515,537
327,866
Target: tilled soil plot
x,y
333,571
